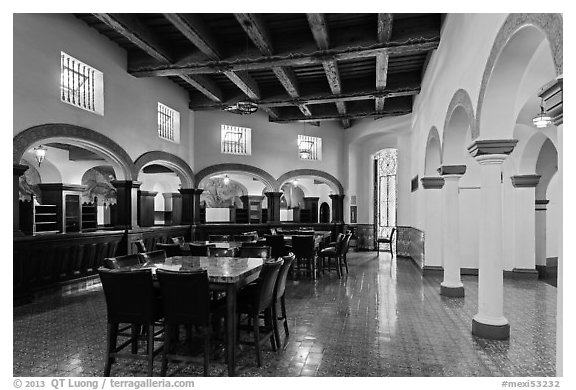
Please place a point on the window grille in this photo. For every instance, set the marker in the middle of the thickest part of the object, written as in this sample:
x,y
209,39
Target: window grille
x,y
81,85
309,148
385,164
236,140
168,123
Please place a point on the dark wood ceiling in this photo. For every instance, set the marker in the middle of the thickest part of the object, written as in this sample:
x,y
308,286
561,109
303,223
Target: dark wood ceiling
x,y
297,67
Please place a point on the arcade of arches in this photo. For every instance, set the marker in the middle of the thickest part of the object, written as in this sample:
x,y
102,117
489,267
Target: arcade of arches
x,y
475,193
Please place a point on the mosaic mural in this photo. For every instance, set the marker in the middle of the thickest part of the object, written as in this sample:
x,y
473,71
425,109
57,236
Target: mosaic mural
x,y
219,195
98,185
28,184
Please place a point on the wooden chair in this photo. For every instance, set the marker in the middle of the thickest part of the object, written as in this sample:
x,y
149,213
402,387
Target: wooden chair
x,y
178,240
222,252
333,252
131,299
278,245
279,292
153,257
122,261
140,247
171,249
303,248
345,248
186,300
255,251
199,249
258,298
387,240
218,238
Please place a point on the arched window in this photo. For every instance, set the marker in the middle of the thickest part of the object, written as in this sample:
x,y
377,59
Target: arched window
x,y
385,191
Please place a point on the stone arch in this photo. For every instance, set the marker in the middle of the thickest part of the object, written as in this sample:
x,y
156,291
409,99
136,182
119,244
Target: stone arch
x,y
459,116
330,180
269,182
549,26
78,136
433,153
178,165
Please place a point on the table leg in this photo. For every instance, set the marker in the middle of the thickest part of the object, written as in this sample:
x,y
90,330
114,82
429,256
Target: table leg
x,y
231,328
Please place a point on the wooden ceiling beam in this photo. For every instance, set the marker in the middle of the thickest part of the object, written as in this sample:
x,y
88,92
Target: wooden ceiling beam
x,y
256,30
319,29
192,27
385,22
347,117
272,113
191,65
246,83
321,98
132,29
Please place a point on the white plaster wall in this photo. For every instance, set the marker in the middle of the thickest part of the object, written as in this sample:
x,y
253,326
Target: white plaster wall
x,y
553,217
130,103
274,146
161,183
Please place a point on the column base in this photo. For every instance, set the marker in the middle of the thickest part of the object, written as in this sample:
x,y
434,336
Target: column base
x,y
491,332
452,292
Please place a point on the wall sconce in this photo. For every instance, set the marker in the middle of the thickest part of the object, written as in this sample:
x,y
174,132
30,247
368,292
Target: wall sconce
x,y
40,153
295,182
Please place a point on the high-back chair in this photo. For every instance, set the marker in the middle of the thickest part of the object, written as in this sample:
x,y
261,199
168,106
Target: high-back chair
x,y
255,251
303,248
178,240
186,300
344,251
387,240
140,247
199,249
333,252
257,298
278,245
153,257
171,249
122,261
218,238
130,299
279,292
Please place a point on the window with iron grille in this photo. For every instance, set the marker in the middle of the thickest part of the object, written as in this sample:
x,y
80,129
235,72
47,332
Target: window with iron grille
x,y
81,85
309,148
236,140
168,123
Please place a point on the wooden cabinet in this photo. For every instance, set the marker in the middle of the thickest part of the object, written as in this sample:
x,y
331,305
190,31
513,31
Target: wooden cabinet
x,y
89,216
66,199
45,219
252,204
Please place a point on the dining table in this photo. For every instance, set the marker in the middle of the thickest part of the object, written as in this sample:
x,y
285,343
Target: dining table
x,y
228,274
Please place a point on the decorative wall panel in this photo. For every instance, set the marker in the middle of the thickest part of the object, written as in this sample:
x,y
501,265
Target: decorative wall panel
x,y
410,243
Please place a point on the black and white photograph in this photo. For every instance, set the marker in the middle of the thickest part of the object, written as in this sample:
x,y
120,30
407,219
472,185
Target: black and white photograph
x,y
287,194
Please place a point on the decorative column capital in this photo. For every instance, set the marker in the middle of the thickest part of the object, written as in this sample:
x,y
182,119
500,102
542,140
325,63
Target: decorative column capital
x,y
525,181
191,191
19,169
312,198
487,147
273,194
432,182
336,196
126,183
147,193
553,96
452,170
171,195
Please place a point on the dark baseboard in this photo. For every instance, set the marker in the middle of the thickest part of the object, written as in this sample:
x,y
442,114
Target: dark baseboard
x,y
452,292
432,270
491,332
521,273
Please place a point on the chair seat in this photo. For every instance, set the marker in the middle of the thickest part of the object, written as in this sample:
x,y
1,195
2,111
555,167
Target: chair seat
x,y
330,251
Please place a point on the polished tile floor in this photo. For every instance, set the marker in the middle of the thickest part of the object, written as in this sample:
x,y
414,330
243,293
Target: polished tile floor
x,y
383,319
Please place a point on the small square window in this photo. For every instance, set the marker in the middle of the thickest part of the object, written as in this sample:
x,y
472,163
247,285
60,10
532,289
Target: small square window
x,y
309,148
168,123
236,140
81,85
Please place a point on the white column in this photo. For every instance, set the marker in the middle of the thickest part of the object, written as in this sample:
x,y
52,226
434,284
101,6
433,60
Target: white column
x,y
451,286
540,232
524,222
433,222
490,322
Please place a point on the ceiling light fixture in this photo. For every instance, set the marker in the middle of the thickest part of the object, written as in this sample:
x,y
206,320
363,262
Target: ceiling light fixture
x,y
244,107
295,182
542,120
226,180
40,153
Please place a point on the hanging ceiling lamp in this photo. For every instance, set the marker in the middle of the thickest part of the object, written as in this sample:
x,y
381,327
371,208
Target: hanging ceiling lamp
x,y
243,107
542,120
226,180
40,153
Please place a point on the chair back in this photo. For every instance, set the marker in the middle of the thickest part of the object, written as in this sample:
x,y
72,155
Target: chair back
x,y
171,249
303,246
280,287
178,240
199,249
130,296
276,242
244,238
255,251
122,261
185,296
154,257
219,238
267,281
222,252
392,236
140,247
346,243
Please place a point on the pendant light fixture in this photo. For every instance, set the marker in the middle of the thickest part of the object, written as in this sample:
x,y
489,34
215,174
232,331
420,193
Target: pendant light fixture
x,y
243,107
542,120
226,180
40,153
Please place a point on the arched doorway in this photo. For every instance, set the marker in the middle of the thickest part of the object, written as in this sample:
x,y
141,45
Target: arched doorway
x,y
385,192
324,213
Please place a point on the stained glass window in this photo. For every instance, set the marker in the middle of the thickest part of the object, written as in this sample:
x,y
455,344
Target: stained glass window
x,y
386,162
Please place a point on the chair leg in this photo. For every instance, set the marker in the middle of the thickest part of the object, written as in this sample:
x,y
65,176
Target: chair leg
x,y
345,263
165,349
110,347
268,321
150,350
135,331
206,350
256,328
275,323
284,317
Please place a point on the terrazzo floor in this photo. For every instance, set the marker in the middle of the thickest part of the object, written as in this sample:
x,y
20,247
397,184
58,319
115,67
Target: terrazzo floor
x,y
382,319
